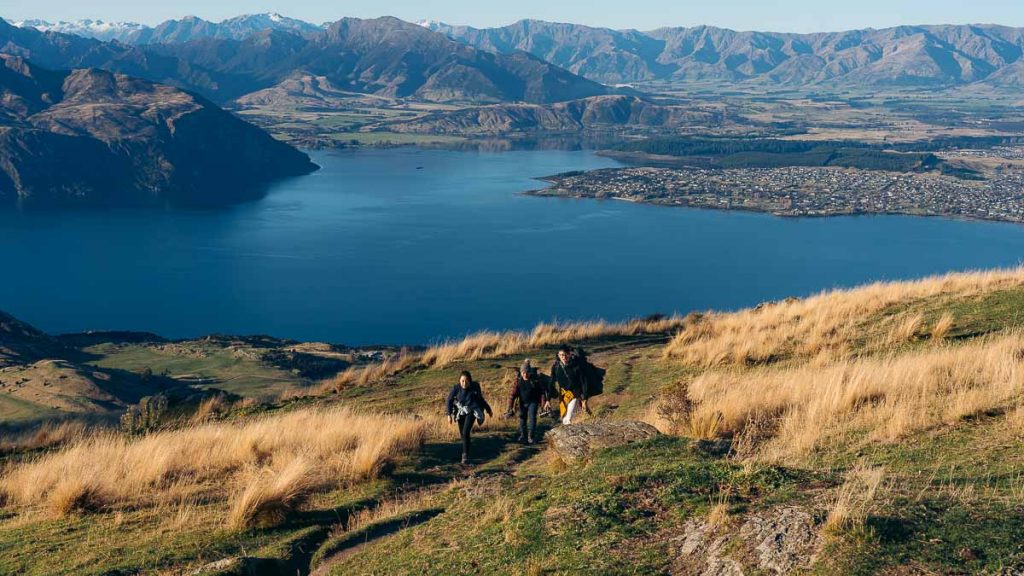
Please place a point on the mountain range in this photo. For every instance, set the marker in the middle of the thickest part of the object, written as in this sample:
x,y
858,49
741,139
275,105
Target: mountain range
x,y
901,56
383,56
90,136
387,56
180,30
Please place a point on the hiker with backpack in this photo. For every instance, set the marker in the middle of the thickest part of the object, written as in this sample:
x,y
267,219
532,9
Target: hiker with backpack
x,y
530,391
466,405
570,382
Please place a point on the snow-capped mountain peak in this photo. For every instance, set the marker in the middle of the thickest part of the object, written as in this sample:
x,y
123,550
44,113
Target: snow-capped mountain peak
x,y
89,28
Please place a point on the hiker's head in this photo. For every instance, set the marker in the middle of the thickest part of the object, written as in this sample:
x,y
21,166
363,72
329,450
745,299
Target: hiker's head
x,y
465,378
526,370
564,352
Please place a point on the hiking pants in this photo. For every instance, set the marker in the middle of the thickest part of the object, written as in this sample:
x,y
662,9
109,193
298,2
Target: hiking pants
x,y
528,419
567,407
465,426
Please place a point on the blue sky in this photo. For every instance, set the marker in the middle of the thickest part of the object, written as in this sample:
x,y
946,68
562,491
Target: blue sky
x,y
778,15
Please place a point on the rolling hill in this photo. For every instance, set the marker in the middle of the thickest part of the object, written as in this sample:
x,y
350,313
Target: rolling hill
x,y
589,114
874,430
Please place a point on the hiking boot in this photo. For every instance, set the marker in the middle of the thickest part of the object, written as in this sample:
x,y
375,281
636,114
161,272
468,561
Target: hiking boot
x,y
530,441
521,439
465,459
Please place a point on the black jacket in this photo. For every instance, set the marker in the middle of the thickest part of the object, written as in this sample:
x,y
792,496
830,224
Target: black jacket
x,y
471,395
532,391
569,377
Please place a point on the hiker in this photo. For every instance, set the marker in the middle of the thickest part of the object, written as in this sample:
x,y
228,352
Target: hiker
x,y
569,384
530,390
466,405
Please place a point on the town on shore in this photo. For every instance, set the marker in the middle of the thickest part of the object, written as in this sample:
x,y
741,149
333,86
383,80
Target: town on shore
x,y
812,191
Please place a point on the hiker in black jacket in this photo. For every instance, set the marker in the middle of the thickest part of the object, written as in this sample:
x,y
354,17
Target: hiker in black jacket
x,y
465,406
530,390
569,384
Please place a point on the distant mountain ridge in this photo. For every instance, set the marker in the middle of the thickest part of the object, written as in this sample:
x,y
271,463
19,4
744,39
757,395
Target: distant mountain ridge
x,y
935,55
180,30
947,55
95,29
383,56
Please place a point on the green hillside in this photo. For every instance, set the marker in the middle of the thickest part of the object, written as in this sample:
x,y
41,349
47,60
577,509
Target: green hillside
x,y
859,432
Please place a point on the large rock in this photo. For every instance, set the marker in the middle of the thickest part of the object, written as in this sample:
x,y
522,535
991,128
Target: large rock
x,y
577,441
778,541
242,566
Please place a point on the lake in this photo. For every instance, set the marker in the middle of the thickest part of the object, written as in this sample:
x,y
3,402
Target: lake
x,y
414,245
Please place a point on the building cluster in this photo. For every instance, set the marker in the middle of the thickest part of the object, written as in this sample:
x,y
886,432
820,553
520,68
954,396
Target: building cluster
x,y
805,191
997,152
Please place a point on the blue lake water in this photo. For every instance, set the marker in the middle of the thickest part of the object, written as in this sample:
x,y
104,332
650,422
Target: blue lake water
x,y
410,246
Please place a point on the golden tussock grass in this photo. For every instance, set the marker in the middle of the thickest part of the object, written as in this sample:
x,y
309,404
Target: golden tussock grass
x,y
263,466
498,344
487,345
719,514
370,373
784,414
826,324
210,409
852,501
267,494
943,326
675,413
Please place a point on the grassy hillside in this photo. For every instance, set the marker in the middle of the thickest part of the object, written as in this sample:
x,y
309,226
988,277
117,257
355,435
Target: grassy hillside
x,y
878,428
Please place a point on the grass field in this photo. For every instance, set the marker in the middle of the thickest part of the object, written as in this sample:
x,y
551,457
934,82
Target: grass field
x,y
221,367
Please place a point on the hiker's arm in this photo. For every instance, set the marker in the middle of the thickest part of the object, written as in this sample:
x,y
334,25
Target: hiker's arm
x,y
451,401
512,396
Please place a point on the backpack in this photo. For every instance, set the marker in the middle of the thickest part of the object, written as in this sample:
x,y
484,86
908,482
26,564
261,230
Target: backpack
x,y
593,376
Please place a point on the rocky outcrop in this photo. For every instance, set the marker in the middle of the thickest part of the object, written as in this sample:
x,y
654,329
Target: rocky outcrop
x,y
778,541
577,441
95,137
21,343
242,566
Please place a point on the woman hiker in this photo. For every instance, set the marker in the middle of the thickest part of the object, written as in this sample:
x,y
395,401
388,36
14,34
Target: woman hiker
x,y
530,390
466,405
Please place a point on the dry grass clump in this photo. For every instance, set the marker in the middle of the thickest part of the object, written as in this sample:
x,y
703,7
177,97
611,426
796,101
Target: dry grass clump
x,y
853,500
270,461
266,495
797,410
827,323
943,326
905,329
371,373
210,408
675,413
